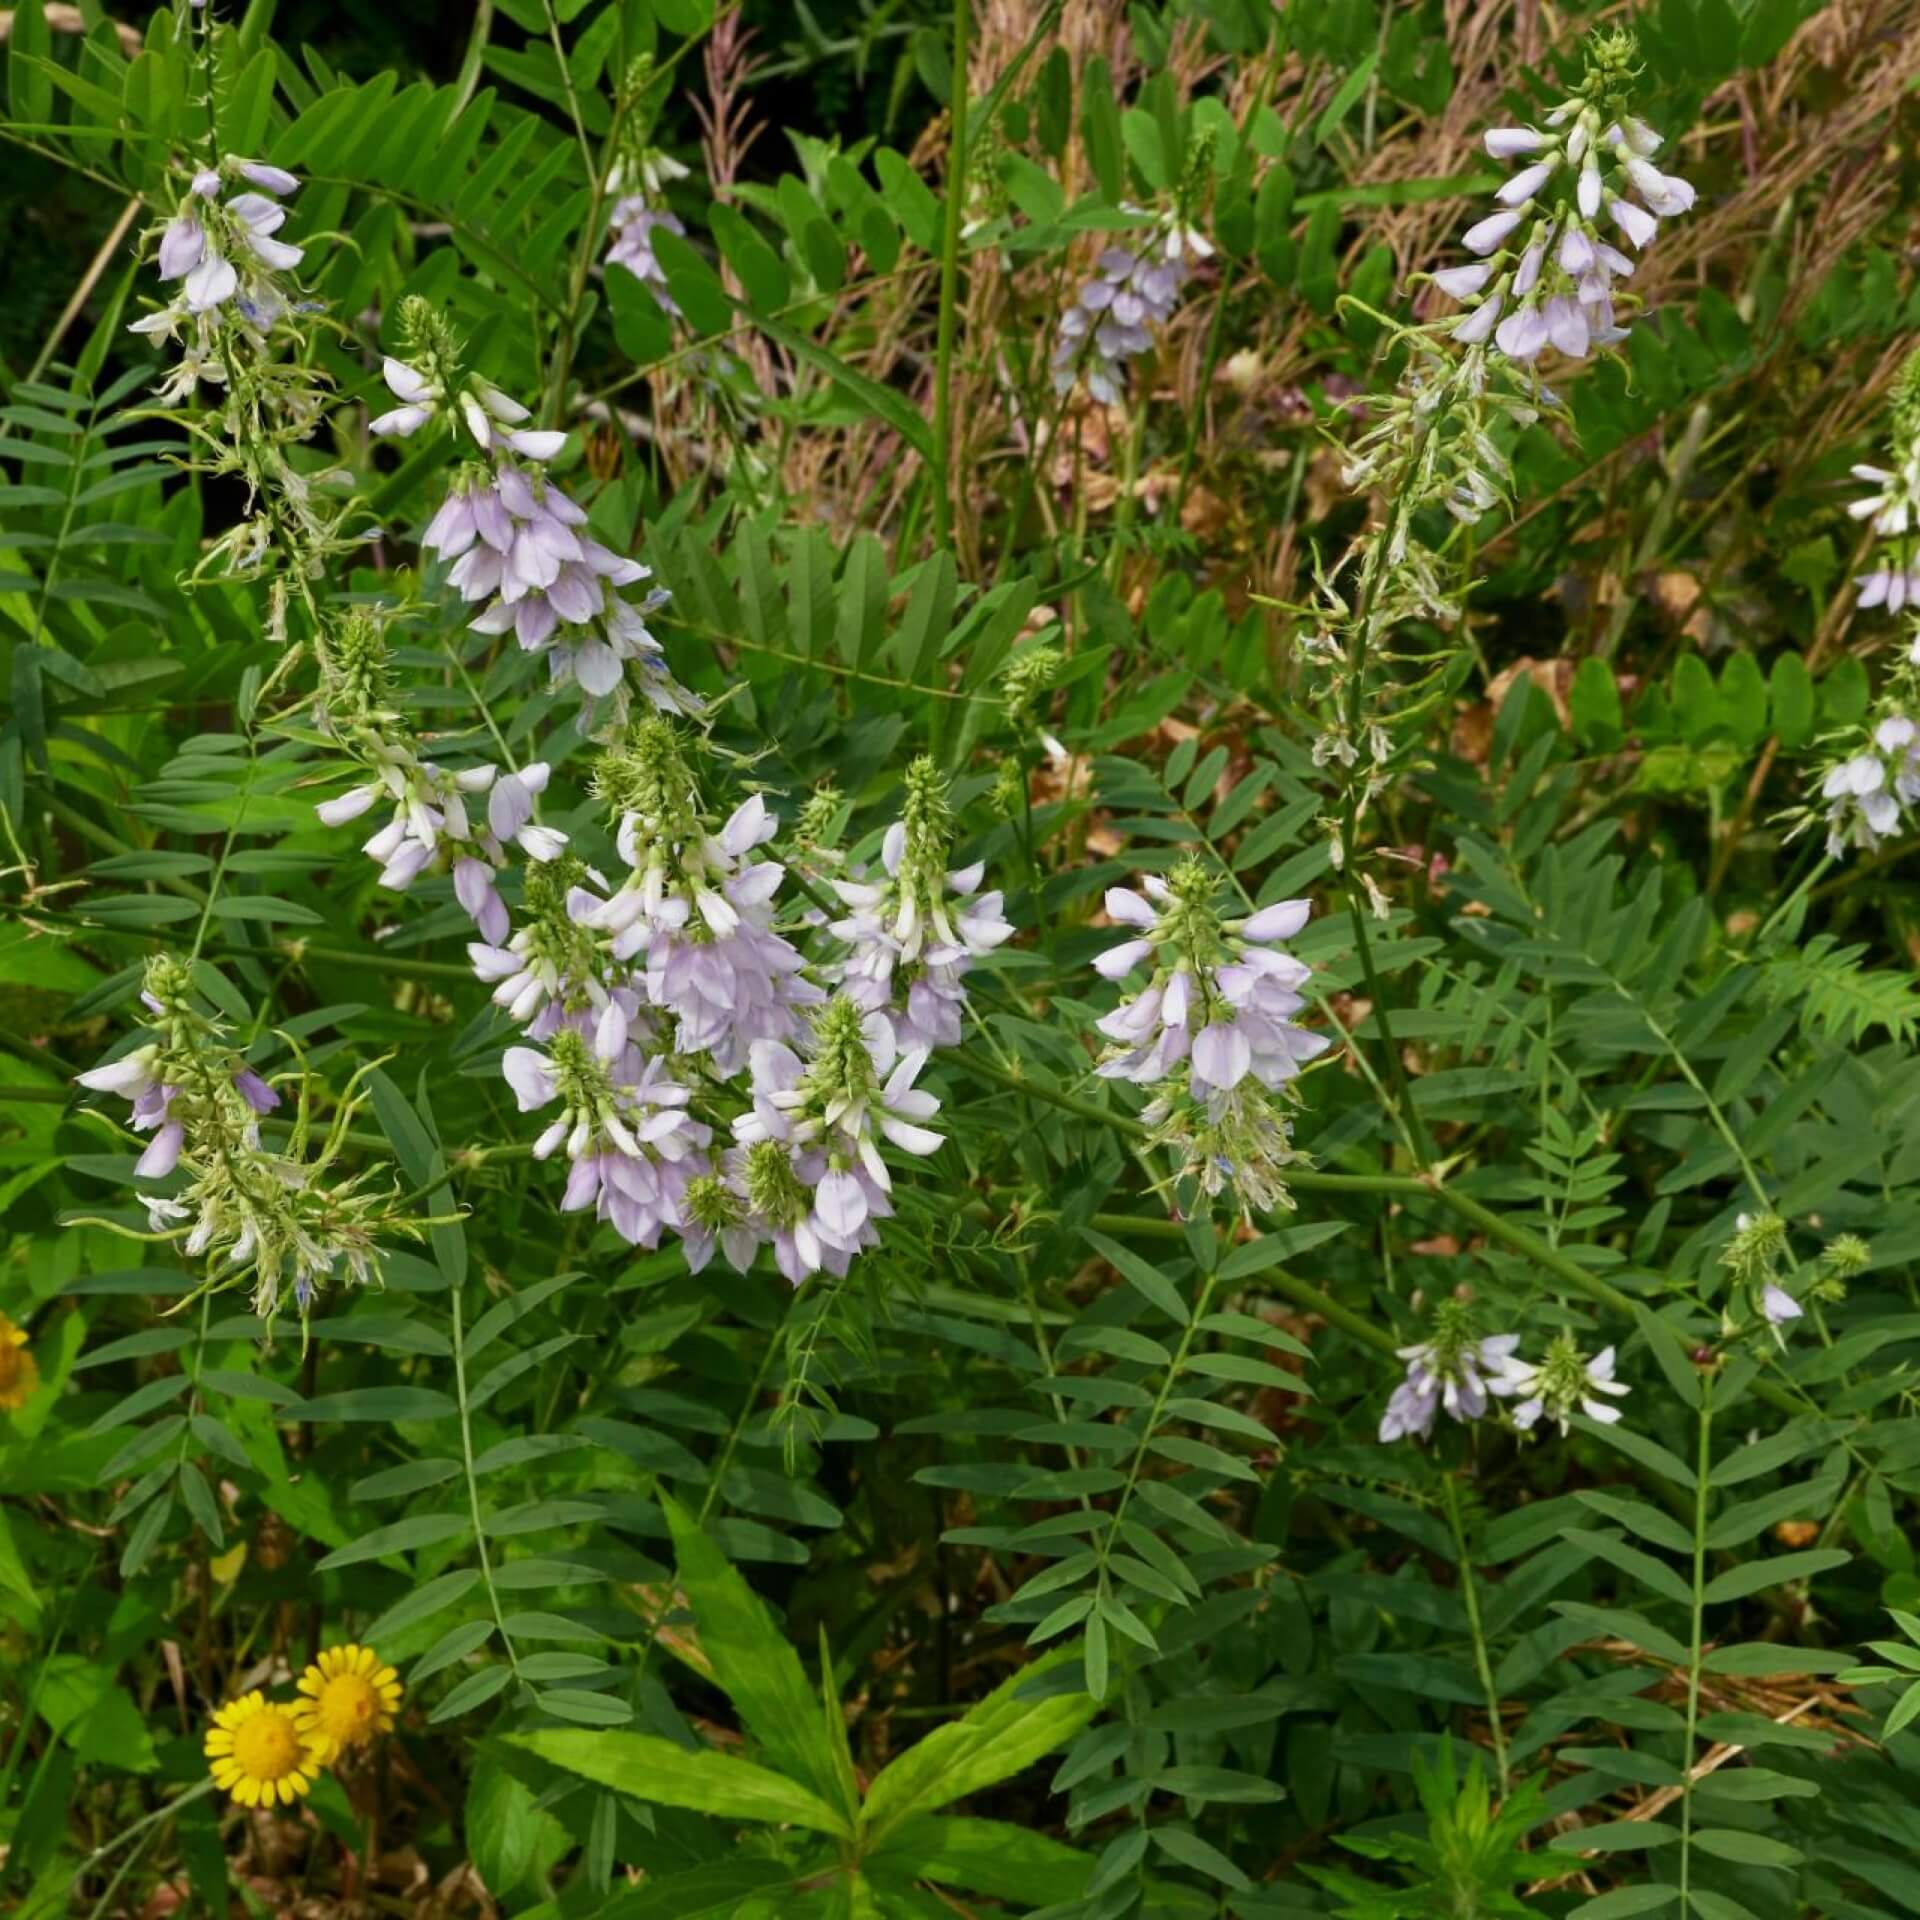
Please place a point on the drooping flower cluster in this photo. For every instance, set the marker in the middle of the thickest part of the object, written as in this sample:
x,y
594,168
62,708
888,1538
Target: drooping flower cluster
x,y
1463,1372
1866,790
694,915
1547,268
1112,319
1563,1384
1457,1369
631,1144
806,1162
247,1208
1892,579
550,970
915,932
1213,1031
232,315
638,183
653,996
437,819
515,542
265,1753
1547,273
223,252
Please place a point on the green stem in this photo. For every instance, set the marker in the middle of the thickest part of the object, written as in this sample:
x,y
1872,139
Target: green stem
x,y
473,1484
1702,1473
1470,1593
1269,1280
1407,1189
942,476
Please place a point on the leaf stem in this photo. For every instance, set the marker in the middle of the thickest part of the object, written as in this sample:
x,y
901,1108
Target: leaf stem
x,y
1702,1474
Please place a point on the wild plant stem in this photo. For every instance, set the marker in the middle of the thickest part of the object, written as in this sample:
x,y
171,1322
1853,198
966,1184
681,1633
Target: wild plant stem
x,y
1470,1593
472,1481
1702,1475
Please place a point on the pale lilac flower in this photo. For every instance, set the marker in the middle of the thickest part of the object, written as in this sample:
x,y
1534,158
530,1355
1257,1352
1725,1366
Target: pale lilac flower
x,y
255,1091
1454,1371
916,931
130,1076
697,911
1112,318
1891,587
1492,232
1778,1305
1558,292
1564,1383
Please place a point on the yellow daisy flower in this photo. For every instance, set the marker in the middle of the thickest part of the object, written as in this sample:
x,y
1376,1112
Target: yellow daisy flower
x,y
257,1752
18,1373
350,1698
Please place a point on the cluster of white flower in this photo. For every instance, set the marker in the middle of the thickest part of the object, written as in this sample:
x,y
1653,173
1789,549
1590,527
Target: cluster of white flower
x,y
1462,1372
224,254
1213,1031
1547,270
249,1209
651,998
513,538
639,212
916,931
1893,508
1866,791
435,819
1111,319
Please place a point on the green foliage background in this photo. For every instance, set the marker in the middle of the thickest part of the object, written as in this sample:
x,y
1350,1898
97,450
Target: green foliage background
x,y
1049,1563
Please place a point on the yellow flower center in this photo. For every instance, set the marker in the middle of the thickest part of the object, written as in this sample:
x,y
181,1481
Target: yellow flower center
x,y
346,1708
9,1364
267,1747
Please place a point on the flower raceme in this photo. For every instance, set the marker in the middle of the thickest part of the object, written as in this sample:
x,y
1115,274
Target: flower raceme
x,y
1547,263
1892,509
1454,1370
248,1208
1212,1034
515,542
916,931
1111,319
630,1141
824,1117
1866,791
223,250
1462,1372
1220,1001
